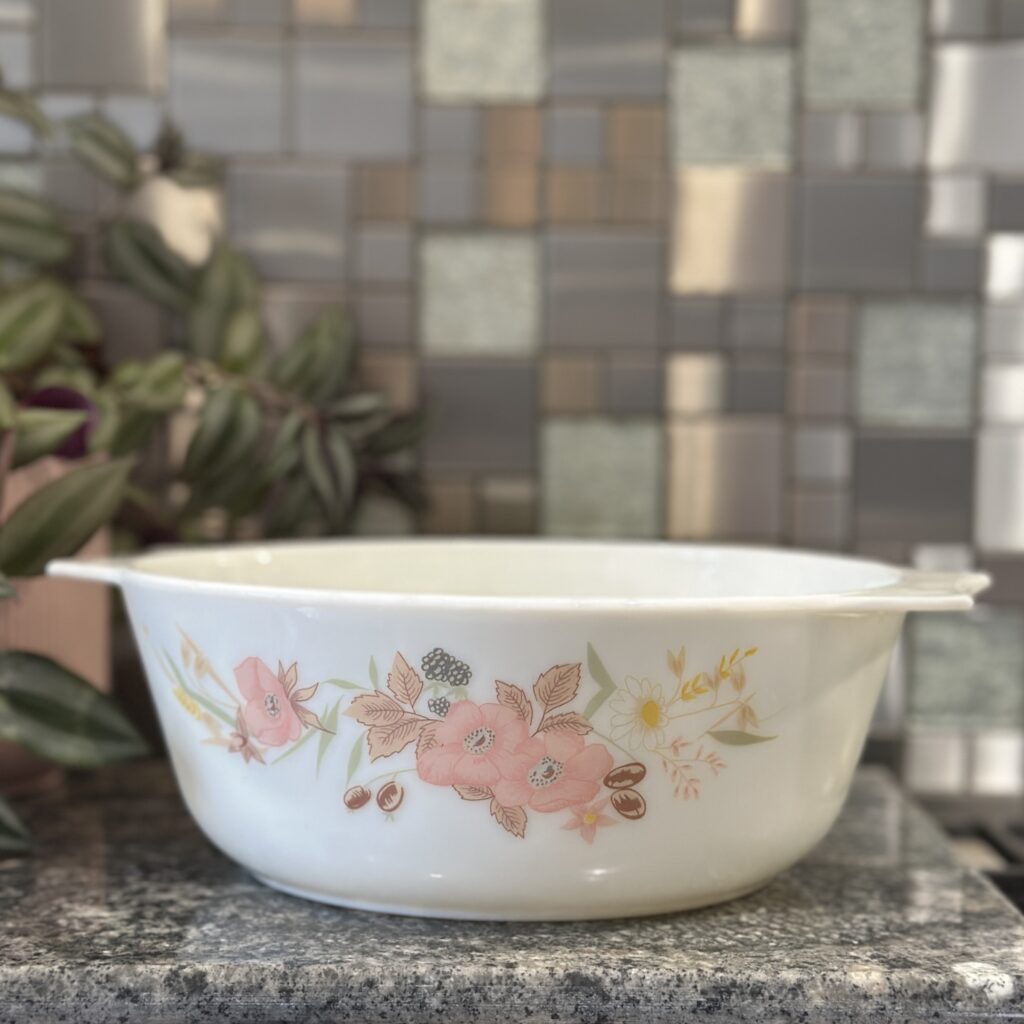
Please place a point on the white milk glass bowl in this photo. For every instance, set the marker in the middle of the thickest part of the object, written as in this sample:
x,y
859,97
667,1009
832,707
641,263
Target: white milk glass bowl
x,y
516,729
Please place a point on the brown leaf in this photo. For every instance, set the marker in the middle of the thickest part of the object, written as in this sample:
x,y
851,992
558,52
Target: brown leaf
x,y
385,740
738,678
288,676
511,819
514,697
473,792
375,709
428,737
557,686
403,681
308,718
304,694
568,722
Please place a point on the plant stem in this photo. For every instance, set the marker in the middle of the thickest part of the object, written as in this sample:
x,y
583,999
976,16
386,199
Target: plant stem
x,y
726,717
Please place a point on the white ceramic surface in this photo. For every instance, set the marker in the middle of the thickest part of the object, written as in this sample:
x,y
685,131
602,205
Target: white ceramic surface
x,y
516,730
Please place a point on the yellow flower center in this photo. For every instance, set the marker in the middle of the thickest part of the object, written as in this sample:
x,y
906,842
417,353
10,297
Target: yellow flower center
x,y
589,818
650,714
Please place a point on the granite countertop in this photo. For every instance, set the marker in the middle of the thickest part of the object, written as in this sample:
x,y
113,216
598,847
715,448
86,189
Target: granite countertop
x,y
127,914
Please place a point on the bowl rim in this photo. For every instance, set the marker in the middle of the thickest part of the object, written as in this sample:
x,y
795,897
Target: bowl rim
x,y
909,590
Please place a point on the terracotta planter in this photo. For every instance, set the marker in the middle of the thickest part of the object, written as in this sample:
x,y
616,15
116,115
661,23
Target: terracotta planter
x,y
62,620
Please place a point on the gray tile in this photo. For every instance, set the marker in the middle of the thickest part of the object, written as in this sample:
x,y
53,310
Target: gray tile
x,y
731,232
479,295
16,59
951,266
604,48
139,117
258,12
697,323
573,135
483,417
450,133
132,326
858,233
17,12
1010,17
383,254
819,392
1007,572
757,386
227,93
288,308
956,205
601,478
832,139
508,506
966,670
602,289
758,324
1004,267
765,19
821,326
962,19
354,98
895,140
102,44
915,364
974,105
696,384
313,15
703,17
292,222
862,53
820,519
385,318
822,454
1002,393
1003,332
377,515
916,489
72,187
392,14
460,61
725,479
732,105
634,383
1005,205
447,194
999,493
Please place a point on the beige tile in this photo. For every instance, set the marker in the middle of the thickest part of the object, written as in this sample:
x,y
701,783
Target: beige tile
x,y
333,13
571,384
510,197
508,506
635,134
573,195
638,197
394,374
451,507
696,383
384,192
512,133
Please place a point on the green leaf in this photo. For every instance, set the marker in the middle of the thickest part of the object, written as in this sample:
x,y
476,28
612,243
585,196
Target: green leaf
x,y
226,284
373,673
309,734
31,316
172,669
318,472
284,454
330,722
342,684
136,253
344,468
358,406
14,837
401,433
8,409
6,590
738,738
19,106
244,341
211,436
354,757
80,323
156,386
41,431
56,715
30,229
601,676
105,149
318,362
56,520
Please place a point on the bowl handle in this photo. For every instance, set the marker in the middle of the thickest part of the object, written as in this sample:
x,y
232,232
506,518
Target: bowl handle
x,y
922,590
94,570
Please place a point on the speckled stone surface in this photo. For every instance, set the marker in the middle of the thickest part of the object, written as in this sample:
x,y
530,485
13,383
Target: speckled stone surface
x,y
127,914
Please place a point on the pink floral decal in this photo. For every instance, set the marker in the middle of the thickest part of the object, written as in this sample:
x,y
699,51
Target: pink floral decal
x,y
588,819
268,713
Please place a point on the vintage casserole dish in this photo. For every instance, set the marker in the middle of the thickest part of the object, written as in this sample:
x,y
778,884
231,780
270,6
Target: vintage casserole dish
x,y
516,730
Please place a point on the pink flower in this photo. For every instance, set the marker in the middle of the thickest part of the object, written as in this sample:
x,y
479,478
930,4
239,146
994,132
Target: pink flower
x,y
552,771
587,819
475,746
268,711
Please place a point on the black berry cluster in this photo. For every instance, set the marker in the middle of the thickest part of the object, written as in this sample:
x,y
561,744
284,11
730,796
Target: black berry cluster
x,y
439,706
441,667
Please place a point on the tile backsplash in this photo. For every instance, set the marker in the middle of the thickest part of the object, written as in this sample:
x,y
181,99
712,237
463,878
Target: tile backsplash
x,y
705,269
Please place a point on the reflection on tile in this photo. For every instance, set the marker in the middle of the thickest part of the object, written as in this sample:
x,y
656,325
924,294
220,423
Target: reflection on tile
x,y
731,232
956,205
822,454
966,670
601,478
290,221
974,107
862,53
765,19
636,134
448,194
1002,393
951,266
634,383
574,195
895,140
451,507
697,323
1004,267
479,295
758,324
510,197
732,105
604,48
571,383
602,289
1006,205
832,139
508,506
383,254
483,417
16,59
725,479
935,760
696,383
997,761
960,18
354,98
102,44
450,133
384,192
458,56
700,17
227,94
757,385
818,391
915,364
914,488
384,318
858,233
821,326
573,135
999,492
820,519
